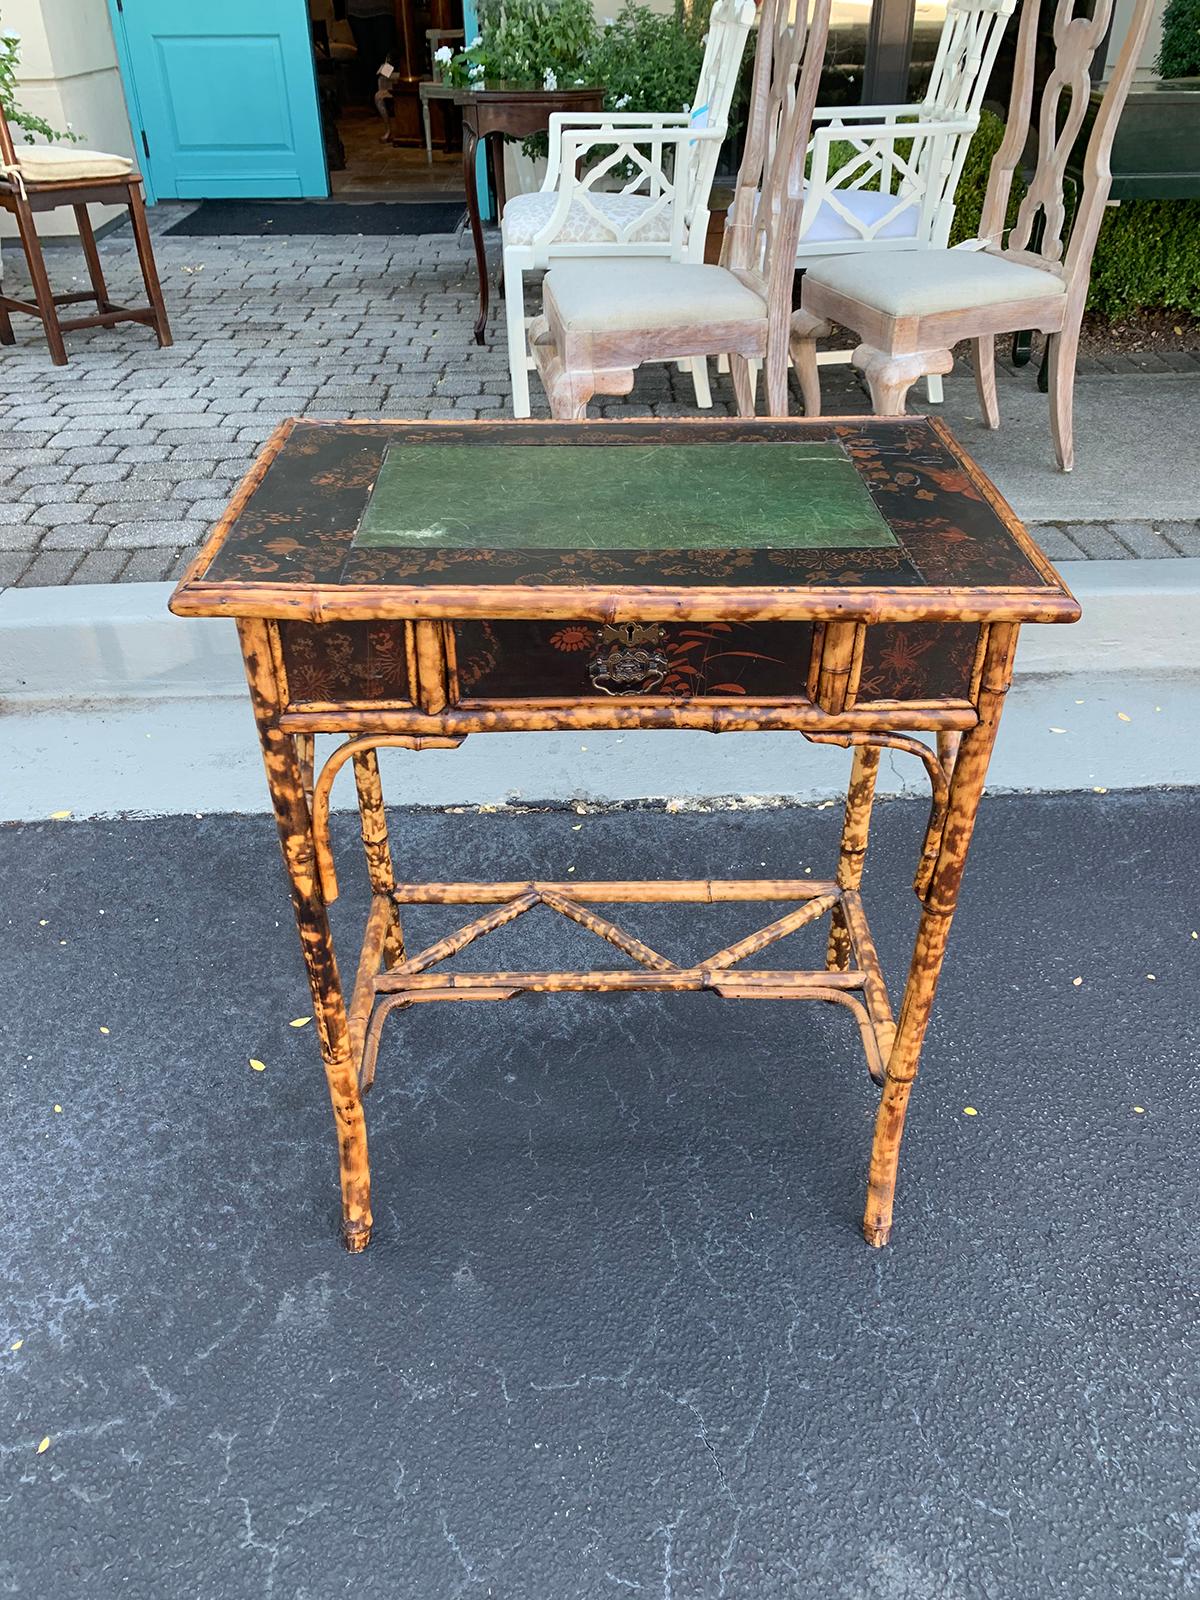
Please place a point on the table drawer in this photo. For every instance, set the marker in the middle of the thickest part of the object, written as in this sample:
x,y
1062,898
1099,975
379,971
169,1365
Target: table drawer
x,y
348,663
497,662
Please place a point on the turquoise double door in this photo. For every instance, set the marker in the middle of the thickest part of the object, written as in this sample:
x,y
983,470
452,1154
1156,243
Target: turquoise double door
x,y
222,96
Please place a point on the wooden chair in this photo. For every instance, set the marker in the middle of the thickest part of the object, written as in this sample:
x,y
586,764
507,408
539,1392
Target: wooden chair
x,y
603,318
570,216
41,177
909,311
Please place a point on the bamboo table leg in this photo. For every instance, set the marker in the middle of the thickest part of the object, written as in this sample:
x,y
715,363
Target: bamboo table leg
x,y
966,791
286,782
860,797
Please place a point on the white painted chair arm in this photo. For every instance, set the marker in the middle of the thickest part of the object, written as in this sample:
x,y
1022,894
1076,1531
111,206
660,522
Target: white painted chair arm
x,y
562,120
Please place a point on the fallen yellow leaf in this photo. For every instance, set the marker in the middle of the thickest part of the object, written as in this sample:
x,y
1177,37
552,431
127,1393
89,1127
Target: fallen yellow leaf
x,y
970,1111
1141,1110
1077,981
1123,718
103,1030
44,1446
257,1066
44,922
16,1344
1099,790
575,827
58,1108
59,816
1150,976
299,1022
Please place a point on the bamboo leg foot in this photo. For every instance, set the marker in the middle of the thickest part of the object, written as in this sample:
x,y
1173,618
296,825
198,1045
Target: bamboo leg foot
x,y
885,1158
356,1236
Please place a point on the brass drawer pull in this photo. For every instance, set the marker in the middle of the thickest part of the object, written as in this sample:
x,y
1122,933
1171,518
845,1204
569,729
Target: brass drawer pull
x,y
626,661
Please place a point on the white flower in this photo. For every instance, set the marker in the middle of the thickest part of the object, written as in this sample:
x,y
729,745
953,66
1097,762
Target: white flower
x,y
475,70
11,36
443,53
549,79
578,81
621,102
475,42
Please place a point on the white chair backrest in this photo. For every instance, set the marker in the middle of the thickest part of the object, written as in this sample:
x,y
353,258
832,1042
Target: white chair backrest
x,y
728,29
965,57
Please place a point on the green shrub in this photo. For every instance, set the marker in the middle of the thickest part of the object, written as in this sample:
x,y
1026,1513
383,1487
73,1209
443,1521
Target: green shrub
x,y
1147,256
1179,54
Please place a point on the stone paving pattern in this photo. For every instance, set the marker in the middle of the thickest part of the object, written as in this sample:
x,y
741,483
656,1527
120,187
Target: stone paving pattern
x,y
113,468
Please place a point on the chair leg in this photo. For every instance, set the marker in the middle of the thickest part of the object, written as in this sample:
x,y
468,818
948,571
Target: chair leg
x,y
7,336
514,323
890,377
700,383
145,250
775,370
42,292
806,329
1063,349
92,257
983,355
744,384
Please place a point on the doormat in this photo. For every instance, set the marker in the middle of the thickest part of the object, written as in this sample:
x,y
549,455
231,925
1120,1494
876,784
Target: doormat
x,y
285,218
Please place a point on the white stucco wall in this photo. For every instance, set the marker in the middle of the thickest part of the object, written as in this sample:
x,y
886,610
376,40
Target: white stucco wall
x,y
69,75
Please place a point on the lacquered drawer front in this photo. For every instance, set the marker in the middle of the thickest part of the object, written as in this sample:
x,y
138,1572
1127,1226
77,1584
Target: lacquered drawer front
x,y
571,660
347,662
918,661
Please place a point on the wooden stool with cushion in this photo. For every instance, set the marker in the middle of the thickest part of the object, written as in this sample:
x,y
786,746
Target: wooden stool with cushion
x,y
42,177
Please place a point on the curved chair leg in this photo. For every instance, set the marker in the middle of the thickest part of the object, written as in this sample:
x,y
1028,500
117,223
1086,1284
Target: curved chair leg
x,y
699,368
983,356
1063,349
514,324
890,377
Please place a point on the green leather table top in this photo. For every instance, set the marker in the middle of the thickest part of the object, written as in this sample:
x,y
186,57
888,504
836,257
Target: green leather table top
x,y
805,495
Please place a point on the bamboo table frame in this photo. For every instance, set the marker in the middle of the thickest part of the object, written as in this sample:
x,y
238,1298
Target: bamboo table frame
x,y
376,648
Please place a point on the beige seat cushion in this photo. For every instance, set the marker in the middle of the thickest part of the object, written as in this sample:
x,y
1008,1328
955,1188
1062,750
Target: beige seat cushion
x,y
627,295
526,215
929,281
51,163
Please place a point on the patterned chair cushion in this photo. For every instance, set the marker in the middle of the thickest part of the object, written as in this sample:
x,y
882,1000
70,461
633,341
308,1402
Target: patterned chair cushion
x,y
628,295
925,282
527,214
58,164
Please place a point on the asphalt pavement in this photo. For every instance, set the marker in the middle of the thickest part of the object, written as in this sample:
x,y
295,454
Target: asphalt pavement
x,y
618,1333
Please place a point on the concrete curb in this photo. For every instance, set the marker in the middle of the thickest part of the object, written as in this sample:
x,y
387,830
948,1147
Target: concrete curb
x,y
63,646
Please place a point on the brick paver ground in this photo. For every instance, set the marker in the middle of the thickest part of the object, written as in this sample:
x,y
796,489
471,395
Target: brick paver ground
x,y
114,467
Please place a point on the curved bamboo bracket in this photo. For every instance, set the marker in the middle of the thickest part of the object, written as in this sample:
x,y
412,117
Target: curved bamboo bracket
x,y
326,874
936,769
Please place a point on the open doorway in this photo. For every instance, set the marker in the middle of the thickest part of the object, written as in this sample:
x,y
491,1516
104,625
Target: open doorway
x,y
371,57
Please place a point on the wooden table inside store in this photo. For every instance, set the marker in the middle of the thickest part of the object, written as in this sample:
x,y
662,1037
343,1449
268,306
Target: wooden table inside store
x,y
400,584
512,112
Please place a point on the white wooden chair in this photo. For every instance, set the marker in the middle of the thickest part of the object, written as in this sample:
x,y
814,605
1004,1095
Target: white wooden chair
x,y
894,191
602,318
910,310
670,152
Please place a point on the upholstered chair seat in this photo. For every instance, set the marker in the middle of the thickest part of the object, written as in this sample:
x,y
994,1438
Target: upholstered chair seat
x,y
922,284
51,163
526,215
616,296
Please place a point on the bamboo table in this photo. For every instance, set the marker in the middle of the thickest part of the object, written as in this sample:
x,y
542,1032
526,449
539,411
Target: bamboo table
x,y
888,606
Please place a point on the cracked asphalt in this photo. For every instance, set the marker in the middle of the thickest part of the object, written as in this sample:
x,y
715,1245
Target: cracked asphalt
x,y
618,1334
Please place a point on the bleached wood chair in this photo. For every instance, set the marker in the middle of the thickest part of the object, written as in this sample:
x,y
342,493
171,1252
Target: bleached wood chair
x,y
37,178
894,190
672,153
910,311
604,318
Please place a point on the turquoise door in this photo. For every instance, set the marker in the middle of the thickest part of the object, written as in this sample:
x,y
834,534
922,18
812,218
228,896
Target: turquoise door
x,y
223,98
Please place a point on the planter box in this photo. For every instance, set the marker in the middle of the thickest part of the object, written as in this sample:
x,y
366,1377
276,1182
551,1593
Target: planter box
x,y
1156,153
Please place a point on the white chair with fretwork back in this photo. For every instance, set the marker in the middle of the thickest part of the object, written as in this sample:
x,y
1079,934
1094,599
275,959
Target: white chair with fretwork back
x,y
653,157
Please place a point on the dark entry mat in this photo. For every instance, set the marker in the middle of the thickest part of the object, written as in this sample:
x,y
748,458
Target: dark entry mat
x,y
281,218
